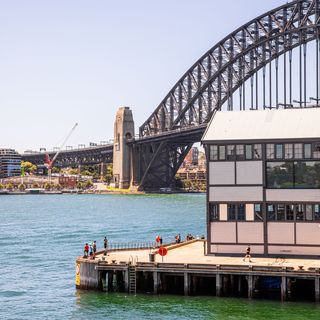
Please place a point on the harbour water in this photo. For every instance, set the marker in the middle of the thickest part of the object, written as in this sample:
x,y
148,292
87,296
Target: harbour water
x,y
40,236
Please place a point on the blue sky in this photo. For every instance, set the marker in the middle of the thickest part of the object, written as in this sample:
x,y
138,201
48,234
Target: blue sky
x,y
67,61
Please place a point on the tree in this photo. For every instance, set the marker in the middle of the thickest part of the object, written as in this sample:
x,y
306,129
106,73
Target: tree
x,y
35,185
56,170
22,187
47,186
1,186
28,167
109,174
88,184
80,185
9,186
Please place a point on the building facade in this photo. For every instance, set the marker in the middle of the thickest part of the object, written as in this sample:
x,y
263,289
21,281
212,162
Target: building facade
x,y
263,185
10,163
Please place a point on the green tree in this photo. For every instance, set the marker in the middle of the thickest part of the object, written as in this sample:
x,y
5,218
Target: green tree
x,y
1,186
35,185
28,167
88,184
109,173
80,185
56,170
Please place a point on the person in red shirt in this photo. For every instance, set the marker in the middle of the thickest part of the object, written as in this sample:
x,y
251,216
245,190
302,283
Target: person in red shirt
x,y
86,250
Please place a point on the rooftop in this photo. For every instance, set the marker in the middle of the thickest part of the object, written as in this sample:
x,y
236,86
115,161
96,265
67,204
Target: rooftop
x,y
264,125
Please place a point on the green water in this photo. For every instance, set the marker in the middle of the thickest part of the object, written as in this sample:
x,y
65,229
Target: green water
x,y
40,236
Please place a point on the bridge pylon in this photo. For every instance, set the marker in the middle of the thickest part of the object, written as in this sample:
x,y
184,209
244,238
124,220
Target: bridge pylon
x,y
122,152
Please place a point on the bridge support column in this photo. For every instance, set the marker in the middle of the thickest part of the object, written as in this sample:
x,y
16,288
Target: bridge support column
x,y
122,153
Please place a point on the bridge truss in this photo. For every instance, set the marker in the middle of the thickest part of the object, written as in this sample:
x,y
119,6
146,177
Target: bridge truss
x,y
254,67
74,158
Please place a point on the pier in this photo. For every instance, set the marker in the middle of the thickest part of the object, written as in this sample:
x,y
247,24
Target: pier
x,y
187,270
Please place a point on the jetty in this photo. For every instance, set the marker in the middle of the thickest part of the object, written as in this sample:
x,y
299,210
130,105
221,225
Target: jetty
x,y
188,270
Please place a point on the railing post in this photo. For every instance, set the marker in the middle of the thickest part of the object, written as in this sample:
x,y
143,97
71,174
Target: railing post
x,y
283,288
250,286
186,281
317,290
218,284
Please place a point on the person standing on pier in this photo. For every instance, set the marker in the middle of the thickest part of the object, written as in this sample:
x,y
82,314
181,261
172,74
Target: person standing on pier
x,y
94,247
86,250
248,254
105,245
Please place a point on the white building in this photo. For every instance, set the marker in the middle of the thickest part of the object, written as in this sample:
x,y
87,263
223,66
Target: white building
x,y
264,182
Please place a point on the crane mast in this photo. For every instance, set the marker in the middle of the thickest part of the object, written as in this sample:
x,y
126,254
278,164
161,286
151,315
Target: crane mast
x,y
49,162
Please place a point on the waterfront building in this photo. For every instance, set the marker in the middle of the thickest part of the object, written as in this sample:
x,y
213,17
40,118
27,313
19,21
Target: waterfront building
x,y
263,182
10,163
191,158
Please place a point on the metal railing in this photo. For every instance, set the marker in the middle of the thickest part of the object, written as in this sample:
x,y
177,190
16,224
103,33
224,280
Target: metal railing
x,y
131,245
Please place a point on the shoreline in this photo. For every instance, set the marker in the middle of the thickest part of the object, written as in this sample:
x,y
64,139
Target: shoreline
x,y
108,192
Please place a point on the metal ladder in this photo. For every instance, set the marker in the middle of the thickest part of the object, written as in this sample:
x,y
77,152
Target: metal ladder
x,y
132,280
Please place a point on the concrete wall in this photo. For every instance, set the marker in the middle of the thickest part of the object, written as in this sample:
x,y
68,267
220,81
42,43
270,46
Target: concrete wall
x,y
280,233
308,233
250,232
221,173
249,172
89,276
235,249
229,194
279,195
224,232
294,250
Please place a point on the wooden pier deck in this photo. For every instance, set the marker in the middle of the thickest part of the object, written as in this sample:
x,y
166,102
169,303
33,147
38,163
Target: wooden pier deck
x,y
188,263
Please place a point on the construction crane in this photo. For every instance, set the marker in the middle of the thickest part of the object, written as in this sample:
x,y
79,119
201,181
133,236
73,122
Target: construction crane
x,y
49,163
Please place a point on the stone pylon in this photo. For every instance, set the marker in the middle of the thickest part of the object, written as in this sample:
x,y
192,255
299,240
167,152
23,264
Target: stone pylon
x,y
122,152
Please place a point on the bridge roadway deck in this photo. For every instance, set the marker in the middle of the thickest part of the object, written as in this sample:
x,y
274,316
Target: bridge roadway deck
x,y
193,253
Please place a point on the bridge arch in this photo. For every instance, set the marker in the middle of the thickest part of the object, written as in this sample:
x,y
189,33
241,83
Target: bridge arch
x,y
211,82
215,77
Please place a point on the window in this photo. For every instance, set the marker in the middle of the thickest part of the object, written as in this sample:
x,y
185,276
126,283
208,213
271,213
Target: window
x,y
280,175
236,212
257,151
299,212
230,152
270,151
307,151
309,213
222,153
213,153
316,151
279,151
288,151
240,152
241,214
298,150
281,212
307,174
289,212
248,151
213,212
231,212
258,216
293,212
271,212
317,212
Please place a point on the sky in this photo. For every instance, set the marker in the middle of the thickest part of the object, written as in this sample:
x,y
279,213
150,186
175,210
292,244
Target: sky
x,y
68,61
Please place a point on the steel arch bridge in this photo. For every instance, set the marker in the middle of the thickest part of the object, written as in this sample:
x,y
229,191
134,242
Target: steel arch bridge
x,y
257,61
